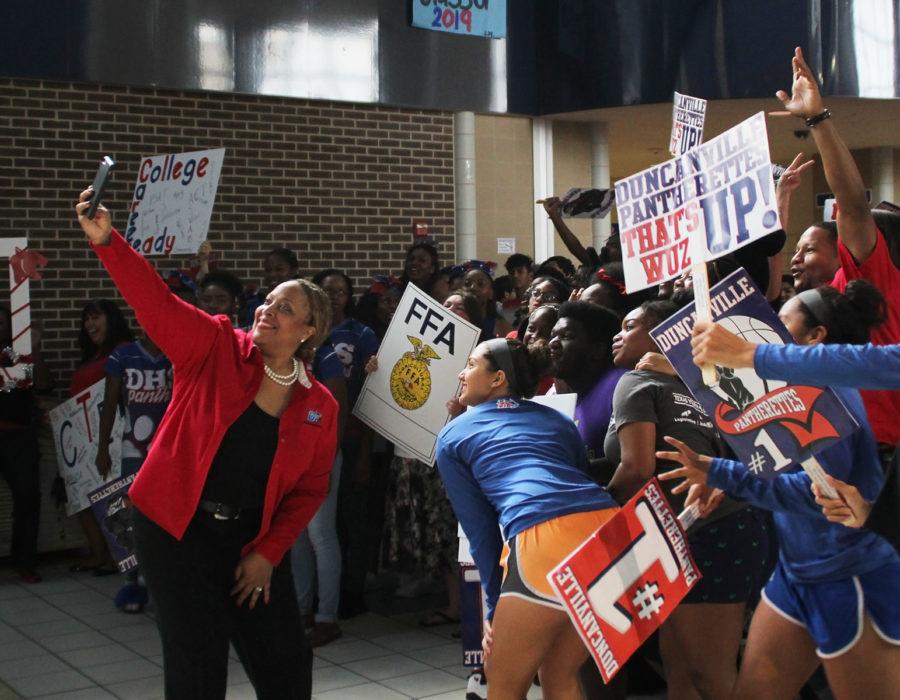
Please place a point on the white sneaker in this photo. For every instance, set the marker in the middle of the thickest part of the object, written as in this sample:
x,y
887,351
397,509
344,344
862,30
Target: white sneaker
x,y
476,688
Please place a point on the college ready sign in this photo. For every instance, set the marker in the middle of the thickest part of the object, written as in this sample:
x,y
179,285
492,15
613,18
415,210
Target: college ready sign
x,y
623,582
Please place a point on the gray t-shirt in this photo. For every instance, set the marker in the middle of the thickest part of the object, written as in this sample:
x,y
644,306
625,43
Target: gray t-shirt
x,y
651,397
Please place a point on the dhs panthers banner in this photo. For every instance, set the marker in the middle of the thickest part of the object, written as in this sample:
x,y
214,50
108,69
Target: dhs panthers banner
x,y
425,348
769,423
623,582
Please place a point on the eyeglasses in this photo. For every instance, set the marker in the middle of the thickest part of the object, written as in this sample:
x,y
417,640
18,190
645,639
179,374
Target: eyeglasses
x,y
544,296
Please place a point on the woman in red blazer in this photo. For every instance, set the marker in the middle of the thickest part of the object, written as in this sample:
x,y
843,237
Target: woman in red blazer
x,y
238,467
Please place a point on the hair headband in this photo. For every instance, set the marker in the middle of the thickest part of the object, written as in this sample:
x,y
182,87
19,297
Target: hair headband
x,y
813,301
499,349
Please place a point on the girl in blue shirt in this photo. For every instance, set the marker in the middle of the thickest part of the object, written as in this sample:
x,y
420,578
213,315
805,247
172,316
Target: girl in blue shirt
x,y
833,596
524,505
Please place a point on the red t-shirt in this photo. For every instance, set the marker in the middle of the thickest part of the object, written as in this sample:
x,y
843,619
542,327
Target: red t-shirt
x,y
88,374
883,407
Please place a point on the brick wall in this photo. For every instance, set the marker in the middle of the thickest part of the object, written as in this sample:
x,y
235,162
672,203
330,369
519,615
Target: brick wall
x,y
337,183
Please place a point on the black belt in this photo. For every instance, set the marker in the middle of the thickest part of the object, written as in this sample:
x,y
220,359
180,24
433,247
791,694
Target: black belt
x,y
222,511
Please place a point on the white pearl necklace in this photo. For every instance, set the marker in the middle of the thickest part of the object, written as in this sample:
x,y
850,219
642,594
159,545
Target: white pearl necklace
x,y
283,379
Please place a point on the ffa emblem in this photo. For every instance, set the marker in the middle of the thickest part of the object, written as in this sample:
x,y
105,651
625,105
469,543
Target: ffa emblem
x,y
313,417
410,377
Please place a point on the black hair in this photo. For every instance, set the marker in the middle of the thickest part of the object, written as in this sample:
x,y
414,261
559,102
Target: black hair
x,y
517,260
224,279
435,261
503,285
320,276
286,255
117,329
556,262
850,316
562,288
471,305
656,311
830,227
600,323
525,367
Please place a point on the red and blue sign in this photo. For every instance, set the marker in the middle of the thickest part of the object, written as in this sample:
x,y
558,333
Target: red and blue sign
x,y
467,17
770,424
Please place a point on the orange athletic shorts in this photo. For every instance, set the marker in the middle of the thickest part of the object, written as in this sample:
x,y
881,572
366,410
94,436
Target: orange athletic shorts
x,y
529,556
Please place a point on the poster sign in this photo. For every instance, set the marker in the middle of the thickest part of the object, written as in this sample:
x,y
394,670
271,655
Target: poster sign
x,y
76,428
113,514
579,203
770,424
24,264
466,17
688,115
622,583
471,615
173,201
423,351
710,201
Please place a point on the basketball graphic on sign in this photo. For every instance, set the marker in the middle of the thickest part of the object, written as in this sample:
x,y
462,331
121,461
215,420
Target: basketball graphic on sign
x,y
411,377
741,387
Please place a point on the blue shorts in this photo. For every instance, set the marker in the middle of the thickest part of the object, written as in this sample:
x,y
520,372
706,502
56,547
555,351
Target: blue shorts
x,y
832,611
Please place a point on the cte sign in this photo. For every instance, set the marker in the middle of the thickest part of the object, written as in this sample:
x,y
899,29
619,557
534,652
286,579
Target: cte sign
x,y
770,424
710,201
76,427
422,353
622,583
172,202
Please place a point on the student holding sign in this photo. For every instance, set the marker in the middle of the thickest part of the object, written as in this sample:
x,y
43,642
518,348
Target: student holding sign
x,y
240,464
833,596
835,253
522,466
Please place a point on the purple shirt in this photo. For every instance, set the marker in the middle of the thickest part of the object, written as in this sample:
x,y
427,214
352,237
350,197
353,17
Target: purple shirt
x,y
594,409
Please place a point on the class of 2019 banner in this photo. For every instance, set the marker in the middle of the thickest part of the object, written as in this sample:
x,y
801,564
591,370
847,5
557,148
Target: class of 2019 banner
x,y
770,424
173,201
76,429
425,348
484,18
622,583
688,115
710,201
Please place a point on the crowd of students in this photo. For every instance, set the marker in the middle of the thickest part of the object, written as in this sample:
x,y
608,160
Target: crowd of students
x,y
526,484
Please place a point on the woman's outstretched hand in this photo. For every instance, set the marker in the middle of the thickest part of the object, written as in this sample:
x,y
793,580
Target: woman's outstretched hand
x,y
694,469
99,229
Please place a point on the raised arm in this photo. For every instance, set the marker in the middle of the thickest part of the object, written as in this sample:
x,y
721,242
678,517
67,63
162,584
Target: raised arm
x,y
553,207
856,227
183,332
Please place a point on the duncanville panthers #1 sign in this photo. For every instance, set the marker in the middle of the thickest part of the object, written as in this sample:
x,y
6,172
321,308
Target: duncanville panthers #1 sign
x,y
770,424
623,582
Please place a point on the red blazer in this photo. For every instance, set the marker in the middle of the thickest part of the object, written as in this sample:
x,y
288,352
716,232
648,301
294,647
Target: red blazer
x,y
217,373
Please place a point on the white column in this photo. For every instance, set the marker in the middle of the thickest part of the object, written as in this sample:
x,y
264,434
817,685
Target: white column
x,y
464,180
600,228
883,174
542,153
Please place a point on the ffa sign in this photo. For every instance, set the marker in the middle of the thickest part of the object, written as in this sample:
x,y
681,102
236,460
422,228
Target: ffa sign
x,y
173,201
770,424
422,353
626,579
710,201
76,428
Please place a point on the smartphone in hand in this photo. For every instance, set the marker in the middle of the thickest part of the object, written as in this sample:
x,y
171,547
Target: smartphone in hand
x,y
103,174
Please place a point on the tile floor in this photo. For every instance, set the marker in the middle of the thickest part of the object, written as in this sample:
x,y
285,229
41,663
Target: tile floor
x,y
63,639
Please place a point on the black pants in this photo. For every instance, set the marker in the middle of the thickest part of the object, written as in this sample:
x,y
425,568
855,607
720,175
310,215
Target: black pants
x,y
353,522
190,581
20,466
